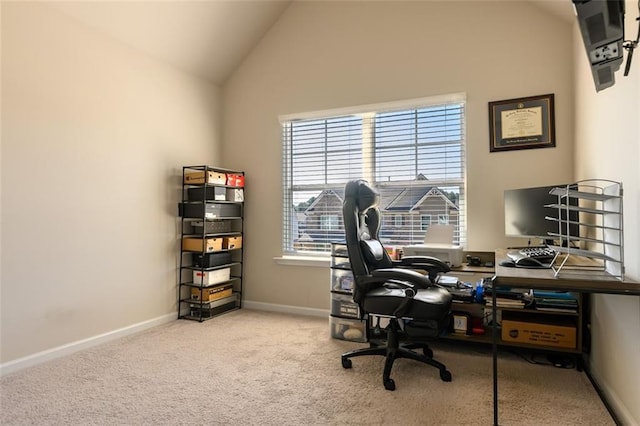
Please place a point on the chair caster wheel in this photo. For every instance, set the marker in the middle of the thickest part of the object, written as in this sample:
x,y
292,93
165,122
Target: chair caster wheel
x,y
445,375
427,352
346,363
389,384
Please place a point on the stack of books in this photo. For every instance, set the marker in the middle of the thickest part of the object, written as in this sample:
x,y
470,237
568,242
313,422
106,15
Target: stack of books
x,y
555,302
507,297
502,302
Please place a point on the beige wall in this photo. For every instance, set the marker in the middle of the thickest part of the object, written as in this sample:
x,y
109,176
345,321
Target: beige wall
x,y
607,138
94,134
324,55
93,138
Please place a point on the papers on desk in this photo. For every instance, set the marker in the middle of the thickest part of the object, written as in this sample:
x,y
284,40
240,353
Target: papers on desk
x,y
507,292
507,297
505,303
460,291
551,301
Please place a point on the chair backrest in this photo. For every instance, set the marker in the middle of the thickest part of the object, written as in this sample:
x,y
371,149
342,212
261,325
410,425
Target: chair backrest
x,y
361,226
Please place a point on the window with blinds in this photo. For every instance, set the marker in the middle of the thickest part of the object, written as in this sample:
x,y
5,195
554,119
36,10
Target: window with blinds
x,y
414,155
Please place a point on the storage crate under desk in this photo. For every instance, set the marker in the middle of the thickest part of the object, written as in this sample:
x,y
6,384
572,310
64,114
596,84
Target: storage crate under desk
x,y
342,280
353,330
345,322
342,305
540,319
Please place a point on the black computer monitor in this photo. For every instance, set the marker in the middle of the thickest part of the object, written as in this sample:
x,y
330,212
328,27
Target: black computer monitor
x,y
525,212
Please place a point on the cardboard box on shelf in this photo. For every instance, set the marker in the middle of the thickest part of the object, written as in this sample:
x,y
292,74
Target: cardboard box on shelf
x,y
199,177
196,244
235,194
211,277
534,333
209,294
236,180
211,309
231,243
205,305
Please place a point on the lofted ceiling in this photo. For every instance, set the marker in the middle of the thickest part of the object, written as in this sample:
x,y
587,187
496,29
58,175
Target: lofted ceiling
x,y
205,38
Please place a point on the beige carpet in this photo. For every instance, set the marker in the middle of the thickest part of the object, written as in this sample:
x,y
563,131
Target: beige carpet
x,y
260,368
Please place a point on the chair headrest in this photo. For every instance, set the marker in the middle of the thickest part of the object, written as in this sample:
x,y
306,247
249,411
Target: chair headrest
x,y
364,195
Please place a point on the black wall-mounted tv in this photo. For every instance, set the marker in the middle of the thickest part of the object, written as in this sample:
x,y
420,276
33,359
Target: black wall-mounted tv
x,y
601,24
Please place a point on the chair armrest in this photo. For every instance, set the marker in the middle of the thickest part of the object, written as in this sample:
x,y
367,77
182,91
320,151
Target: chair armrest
x,y
399,274
432,265
406,279
424,262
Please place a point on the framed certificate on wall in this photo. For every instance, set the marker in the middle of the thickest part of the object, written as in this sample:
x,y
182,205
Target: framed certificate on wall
x,y
522,123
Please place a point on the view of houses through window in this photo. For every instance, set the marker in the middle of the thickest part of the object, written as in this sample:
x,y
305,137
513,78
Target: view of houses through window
x,y
413,156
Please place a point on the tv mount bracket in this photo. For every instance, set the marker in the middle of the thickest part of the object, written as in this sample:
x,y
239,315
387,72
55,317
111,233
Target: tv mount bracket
x,y
631,44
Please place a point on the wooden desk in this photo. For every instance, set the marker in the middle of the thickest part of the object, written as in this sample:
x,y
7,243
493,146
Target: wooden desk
x,y
544,279
582,281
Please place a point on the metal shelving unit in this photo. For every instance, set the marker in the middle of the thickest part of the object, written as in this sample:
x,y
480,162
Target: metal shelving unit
x,y
212,232
600,237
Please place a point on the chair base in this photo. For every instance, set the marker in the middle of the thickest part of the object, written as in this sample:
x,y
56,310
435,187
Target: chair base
x,y
394,350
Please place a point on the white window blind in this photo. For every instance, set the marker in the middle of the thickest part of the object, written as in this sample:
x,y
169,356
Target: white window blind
x,y
414,155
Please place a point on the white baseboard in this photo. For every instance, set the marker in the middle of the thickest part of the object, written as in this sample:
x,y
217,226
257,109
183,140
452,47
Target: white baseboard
x,y
286,309
60,351
617,406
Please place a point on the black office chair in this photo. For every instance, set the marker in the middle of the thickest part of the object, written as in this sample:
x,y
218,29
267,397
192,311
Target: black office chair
x,y
417,309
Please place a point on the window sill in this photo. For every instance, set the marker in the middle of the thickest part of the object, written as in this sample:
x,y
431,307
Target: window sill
x,y
318,262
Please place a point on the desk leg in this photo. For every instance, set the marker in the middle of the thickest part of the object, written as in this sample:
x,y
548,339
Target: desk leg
x,y
494,340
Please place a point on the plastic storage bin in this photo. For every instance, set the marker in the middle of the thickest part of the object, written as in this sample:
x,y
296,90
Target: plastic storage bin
x,y
217,193
342,305
340,262
339,249
348,329
342,280
211,260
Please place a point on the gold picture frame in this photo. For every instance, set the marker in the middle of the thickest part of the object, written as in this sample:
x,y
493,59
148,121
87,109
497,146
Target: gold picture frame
x,y
522,123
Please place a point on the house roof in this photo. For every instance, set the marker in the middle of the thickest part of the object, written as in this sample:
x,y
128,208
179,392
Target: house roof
x,y
403,199
398,196
323,194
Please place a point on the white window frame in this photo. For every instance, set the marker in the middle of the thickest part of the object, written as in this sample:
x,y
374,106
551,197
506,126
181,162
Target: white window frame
x,y
443,219
329,222
425,221
365,112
